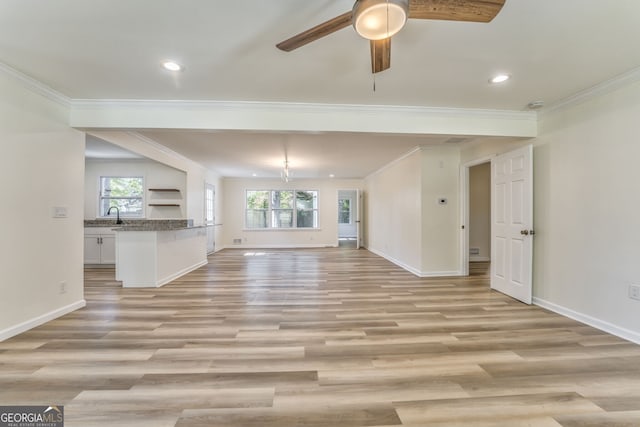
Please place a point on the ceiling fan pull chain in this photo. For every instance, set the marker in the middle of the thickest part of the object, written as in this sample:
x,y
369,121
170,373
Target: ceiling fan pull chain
x,y
374,71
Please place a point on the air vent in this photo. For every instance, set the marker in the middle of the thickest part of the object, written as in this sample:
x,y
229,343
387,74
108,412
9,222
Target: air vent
x,y
455,140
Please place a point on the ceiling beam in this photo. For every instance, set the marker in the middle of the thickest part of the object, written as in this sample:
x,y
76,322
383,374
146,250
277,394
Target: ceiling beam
x,y
293,117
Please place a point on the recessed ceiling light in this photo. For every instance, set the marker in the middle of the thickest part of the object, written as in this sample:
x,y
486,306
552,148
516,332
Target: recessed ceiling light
x,y
255,174
172,66
499,78
332,176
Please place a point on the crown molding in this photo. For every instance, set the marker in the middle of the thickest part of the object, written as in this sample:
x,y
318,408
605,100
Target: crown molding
x,y
394,162
161,148
35,86
312,108
603,88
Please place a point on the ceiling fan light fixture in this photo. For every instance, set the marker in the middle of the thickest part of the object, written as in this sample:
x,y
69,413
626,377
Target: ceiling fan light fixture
x,y
499,78
171,66
379,19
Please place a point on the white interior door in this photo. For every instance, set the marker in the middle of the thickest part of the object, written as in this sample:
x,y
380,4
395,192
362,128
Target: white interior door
x,y
512,223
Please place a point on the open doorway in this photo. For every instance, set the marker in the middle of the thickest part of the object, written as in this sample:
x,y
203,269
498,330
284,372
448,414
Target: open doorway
x,y
480,219
476,236
348,218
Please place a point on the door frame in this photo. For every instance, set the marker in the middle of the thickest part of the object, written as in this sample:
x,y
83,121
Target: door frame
x,y
464,210
210,223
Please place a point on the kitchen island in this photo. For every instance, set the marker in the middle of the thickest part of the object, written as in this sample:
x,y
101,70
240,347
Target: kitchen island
x,y
150,257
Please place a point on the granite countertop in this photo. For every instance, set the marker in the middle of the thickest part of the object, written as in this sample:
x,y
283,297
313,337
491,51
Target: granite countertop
x,y
140,224
155,228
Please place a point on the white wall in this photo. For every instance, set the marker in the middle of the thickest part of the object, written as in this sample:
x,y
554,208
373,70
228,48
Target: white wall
x,y
393,220
234,211
586,204
440,223
41,166
480,211
156,175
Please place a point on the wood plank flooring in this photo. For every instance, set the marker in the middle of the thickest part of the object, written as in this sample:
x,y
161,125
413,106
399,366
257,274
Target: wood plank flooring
x,y
321,337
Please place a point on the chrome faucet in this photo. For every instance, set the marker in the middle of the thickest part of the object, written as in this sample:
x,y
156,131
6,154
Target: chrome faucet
x,y
118,220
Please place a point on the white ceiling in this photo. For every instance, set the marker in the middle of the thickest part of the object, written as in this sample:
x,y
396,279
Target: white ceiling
x,y
112,49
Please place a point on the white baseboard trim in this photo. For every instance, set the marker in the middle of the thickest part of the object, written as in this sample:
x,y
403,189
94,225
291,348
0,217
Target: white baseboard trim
x,y
413,270
181,273
400,264
287,246
167,279
588,320
47,317
479,259
441,274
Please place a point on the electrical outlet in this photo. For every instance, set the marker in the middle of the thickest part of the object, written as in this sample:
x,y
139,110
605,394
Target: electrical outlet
x,y
63,287
634,292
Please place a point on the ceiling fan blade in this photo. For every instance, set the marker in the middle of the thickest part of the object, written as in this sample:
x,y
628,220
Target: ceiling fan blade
x,y
455,10
319,31
380,55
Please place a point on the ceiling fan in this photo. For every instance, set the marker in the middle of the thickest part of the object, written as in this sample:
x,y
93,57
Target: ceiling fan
x,y
379,20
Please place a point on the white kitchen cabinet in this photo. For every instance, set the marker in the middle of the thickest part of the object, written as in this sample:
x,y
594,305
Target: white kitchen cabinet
x,y
99,246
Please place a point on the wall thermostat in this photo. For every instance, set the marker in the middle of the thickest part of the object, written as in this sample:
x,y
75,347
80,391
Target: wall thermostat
x,y
442,200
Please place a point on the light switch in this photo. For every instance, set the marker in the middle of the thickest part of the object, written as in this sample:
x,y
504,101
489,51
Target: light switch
x,y
59,211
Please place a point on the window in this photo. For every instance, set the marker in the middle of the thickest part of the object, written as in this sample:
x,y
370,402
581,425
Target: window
x,y
123,192
281,209
209,212
344,211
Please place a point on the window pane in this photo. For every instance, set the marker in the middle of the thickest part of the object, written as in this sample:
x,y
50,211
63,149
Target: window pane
x,y
127,207
282,200
282,218
307,219
123,192
256,218
257,199
121,186
307,199
344,211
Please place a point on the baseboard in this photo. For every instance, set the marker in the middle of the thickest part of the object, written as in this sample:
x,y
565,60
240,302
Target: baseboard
x,y
479,259
400,264
415,271
47,317
441,274
287,246
181,273
588,320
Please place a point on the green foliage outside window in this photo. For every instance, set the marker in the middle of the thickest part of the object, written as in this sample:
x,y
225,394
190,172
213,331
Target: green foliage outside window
x,y
281,209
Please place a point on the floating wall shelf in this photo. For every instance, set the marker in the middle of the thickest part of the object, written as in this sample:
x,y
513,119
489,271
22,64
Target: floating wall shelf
x,y
164,204
175,190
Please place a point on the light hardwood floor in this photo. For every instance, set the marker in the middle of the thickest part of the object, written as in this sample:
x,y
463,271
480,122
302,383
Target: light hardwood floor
x,y
326,337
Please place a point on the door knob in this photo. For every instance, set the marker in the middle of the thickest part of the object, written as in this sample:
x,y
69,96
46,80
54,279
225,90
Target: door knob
x,y
524,232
